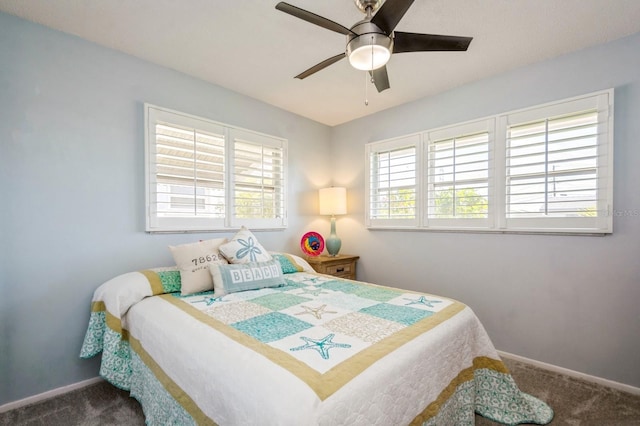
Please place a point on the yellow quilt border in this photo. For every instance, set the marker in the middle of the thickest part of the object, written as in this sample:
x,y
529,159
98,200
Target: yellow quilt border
x,y
172,387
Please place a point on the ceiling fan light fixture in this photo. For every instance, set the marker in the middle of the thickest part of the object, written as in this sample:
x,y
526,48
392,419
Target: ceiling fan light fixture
x,y
371,41
369,51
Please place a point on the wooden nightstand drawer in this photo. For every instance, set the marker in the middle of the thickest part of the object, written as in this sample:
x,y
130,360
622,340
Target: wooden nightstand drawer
x,y
341,269
342,265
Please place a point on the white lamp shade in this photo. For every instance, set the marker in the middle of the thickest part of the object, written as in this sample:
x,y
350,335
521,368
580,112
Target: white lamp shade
x,y
333,201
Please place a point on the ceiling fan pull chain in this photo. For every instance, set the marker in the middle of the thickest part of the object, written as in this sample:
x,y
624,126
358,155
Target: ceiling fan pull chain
x,y
372,59
366,101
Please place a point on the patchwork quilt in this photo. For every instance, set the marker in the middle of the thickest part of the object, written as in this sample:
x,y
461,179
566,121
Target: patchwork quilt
x,y
317,350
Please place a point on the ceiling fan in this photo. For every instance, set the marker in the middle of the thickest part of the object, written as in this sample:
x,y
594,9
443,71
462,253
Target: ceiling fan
x,y
372,41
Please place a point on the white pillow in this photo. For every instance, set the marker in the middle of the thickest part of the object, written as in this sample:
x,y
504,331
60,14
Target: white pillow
x,y
193,261
244,248
245,276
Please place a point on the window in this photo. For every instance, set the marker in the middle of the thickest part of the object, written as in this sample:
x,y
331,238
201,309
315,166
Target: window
x,y
558,166
393,182
258,179
459,176
202,175
543,169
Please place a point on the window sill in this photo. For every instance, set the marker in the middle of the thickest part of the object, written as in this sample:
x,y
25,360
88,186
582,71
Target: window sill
x,y
554,232
204,231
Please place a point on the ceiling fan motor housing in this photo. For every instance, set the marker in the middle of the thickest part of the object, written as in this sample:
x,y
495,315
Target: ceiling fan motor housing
x,y
366,38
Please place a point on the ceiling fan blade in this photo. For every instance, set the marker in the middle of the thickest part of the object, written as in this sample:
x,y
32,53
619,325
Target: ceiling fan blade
x,y
322,65
380,78
312,18
390,13
412,42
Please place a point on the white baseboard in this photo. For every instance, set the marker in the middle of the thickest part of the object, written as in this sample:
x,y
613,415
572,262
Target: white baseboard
x,y
571,373
48,394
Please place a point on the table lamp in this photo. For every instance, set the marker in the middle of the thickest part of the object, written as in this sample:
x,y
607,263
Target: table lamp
x,y
333,201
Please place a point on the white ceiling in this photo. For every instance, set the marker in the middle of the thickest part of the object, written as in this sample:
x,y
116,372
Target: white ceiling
x,y
251,48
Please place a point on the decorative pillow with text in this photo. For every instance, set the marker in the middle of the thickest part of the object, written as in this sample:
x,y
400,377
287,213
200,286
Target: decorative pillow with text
x,y
193,260
245,276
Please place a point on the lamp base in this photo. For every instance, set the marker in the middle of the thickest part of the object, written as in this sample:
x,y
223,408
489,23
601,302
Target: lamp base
x,y
333,243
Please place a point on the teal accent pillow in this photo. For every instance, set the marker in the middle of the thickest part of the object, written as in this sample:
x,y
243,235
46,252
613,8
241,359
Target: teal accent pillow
x,y
245,276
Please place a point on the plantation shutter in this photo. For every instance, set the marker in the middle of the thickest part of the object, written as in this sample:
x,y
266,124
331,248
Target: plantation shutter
x,y
190,171
459,179
544,169
258,184
556,167
203,176
392,191
187,172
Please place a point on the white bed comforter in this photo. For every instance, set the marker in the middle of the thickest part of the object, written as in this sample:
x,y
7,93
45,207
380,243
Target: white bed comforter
x,y
437,369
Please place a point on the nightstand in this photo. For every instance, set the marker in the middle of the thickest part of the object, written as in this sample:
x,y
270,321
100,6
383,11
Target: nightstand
x,y
342,265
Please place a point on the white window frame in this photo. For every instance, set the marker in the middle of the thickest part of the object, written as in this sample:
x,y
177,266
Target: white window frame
x,y
603,223
241,135
459,131
409,141
156,223
497,126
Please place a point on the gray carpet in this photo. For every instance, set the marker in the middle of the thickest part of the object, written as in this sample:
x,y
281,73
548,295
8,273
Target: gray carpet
x,y
575,402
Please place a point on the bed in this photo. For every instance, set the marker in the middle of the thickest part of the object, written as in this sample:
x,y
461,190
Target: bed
x,y
315,350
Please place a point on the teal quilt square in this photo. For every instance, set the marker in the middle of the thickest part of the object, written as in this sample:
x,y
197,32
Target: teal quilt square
x,y
343,286
376,293
271,327
279,301
400,314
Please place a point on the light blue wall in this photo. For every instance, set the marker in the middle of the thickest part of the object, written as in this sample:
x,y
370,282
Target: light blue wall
x,y
72,188
72,209
568,301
